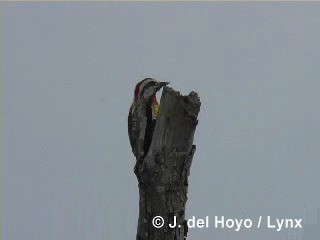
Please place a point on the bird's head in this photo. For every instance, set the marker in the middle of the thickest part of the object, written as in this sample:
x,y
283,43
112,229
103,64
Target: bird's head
x,y
147,88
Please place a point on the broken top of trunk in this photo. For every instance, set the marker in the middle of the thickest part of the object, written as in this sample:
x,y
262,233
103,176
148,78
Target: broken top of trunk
x,y
163,173
177,122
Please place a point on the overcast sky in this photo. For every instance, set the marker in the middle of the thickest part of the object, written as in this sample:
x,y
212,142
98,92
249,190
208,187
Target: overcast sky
x,y
68,73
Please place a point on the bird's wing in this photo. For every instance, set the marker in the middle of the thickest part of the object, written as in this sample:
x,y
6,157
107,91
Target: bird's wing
x,y
143,121
133,131
137,124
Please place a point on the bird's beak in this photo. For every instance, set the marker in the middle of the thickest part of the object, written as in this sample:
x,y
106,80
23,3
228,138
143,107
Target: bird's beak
x,y
164,83
159,85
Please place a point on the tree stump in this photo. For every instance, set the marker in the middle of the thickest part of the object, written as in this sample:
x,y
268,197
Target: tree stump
x,y
163,173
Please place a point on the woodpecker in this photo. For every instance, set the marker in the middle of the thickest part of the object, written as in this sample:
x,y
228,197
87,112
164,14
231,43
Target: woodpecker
x,y
142,115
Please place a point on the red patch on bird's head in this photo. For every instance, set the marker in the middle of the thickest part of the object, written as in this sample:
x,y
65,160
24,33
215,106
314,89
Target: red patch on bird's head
x,y
137,91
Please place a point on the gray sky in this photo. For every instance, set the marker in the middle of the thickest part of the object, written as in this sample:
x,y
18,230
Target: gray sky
x,y
69,70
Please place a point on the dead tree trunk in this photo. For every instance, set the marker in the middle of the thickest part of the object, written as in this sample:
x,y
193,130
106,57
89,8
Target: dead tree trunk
x,y
163,173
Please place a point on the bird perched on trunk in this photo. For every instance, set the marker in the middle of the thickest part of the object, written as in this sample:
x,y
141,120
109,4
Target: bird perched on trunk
x,y
142,115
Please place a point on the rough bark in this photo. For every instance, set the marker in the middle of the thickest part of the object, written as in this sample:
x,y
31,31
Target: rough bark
x,y
163,173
